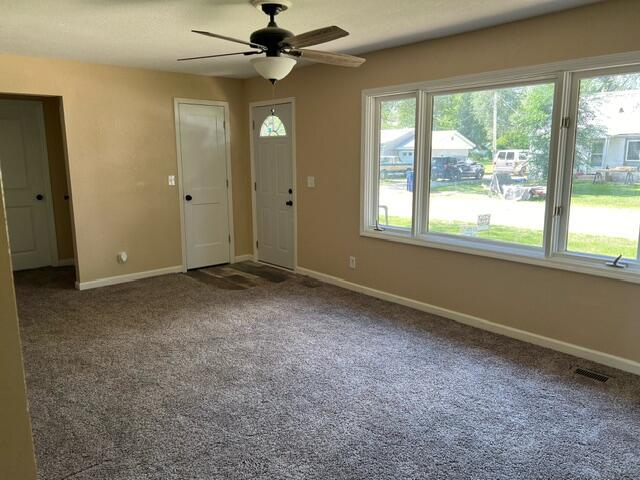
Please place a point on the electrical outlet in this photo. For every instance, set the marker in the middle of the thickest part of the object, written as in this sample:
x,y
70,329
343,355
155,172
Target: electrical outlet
x,y
122,257
352,262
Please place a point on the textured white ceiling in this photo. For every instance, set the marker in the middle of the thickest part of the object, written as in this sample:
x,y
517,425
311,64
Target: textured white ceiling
x,y
154,33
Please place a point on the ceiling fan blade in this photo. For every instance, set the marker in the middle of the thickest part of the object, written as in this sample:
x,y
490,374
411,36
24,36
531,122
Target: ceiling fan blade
x,y
314,37
220,55
230,39
338,59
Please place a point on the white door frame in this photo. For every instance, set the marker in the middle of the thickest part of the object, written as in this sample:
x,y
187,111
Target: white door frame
x,y
54,261
227,136
53,238
266,103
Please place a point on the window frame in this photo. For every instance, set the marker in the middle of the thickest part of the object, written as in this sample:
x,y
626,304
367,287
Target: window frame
x,y
602,153
562,219
485,243
373,166
565,75
627,162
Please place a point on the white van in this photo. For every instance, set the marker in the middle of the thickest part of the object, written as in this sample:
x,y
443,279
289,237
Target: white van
x,y
514,162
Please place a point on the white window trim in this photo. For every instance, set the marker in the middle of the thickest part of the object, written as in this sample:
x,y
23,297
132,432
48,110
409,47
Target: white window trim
x,y
566,175
626,153
553,254
373,166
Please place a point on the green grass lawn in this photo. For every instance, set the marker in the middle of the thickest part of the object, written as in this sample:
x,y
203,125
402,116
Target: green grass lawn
x,y
606,195
464,187
578,242
584,193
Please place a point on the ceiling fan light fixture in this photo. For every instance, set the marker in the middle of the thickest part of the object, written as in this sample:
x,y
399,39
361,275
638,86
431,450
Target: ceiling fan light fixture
x,y
273,68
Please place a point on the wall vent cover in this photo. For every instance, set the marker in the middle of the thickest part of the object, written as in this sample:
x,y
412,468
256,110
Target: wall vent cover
x,y
591,374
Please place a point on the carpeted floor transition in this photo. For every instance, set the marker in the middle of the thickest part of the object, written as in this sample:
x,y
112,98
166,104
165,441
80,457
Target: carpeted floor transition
x,y
183,377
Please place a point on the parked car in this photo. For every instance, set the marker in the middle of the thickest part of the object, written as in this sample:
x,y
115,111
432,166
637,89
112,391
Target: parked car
x,y
452,168
395,167
513,162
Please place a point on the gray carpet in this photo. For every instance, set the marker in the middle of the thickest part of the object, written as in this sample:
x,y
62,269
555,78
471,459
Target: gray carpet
x,y
176,378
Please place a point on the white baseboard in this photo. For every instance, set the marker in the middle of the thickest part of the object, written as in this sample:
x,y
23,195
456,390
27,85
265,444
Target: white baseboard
x,y
551,343
66,262
243,258
130,277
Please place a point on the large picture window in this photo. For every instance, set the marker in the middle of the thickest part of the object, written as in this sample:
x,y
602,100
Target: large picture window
x,y
540,167
490,163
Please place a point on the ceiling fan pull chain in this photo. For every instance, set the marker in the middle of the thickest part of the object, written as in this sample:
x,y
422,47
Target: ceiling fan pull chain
x,y
273,96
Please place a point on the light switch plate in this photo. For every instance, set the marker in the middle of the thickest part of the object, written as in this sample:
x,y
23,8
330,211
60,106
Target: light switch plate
x,y
172,180
311,182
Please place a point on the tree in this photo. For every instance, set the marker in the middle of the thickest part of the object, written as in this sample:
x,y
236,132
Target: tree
x,y
530,127
398,114
458,112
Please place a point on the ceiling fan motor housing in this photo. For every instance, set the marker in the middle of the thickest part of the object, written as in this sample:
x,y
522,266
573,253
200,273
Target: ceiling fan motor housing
x,y
271,37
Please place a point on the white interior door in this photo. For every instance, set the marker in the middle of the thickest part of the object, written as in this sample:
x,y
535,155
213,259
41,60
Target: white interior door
x,y
25,177
273,157
203,151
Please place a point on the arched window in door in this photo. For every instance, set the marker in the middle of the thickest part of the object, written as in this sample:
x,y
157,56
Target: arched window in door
x,y
273,127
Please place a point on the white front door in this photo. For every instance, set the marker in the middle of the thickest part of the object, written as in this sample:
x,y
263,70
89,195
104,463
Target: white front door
x,y
25,177
203,149
273,157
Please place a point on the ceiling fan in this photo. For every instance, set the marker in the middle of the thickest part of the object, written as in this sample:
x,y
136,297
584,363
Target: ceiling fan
x,y
282,47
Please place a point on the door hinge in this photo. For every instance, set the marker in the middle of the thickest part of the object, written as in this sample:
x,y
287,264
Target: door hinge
x,y
255,186
227,183
558,211
229,238
256,243
566,122
224,124
254,124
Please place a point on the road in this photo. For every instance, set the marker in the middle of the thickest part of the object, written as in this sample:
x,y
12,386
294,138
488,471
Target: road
x,y
451,206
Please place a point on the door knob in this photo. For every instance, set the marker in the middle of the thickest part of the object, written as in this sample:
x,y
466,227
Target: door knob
x,y
188,198
39,196
290,202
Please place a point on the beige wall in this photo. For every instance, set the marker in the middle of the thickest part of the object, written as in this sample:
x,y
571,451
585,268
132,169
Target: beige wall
x,y
590,311
16,448
119,127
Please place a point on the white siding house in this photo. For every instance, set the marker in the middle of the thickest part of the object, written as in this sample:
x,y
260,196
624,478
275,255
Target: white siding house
x,y
618,115
445,143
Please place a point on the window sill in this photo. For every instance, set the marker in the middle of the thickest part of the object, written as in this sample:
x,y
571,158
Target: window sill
x,y
531,256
